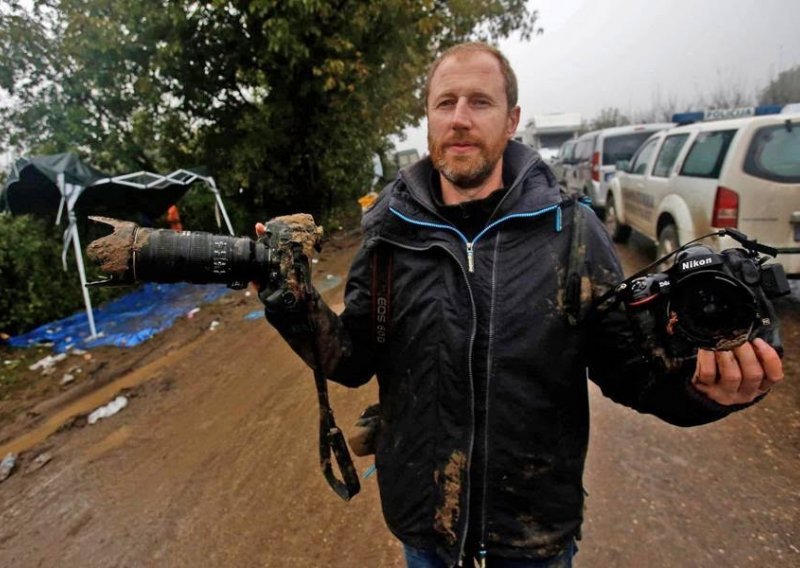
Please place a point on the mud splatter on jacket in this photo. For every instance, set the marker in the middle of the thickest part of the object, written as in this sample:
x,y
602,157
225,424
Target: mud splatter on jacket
x,y
535,428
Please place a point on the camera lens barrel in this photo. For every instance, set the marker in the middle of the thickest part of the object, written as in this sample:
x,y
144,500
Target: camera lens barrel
x,y
162,255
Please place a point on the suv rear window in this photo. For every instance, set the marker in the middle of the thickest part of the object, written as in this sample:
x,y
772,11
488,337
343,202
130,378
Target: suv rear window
x,y
622,147
707,154
774,153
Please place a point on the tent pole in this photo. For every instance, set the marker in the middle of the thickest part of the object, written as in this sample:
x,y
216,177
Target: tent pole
x,y
217,196
82,272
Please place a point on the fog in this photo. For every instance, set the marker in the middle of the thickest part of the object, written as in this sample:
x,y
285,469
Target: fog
x,y
629,53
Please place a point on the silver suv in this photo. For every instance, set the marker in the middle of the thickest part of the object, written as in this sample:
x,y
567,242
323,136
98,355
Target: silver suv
x,y
596,156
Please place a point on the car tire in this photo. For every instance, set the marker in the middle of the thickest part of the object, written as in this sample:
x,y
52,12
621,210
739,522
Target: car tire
x,y
667,243
619,232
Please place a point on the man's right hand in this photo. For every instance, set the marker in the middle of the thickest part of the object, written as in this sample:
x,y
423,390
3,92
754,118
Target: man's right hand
x,y
292,240
279,290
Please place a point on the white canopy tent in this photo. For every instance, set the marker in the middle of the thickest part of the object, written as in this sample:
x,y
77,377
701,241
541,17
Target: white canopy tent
x,y
83,191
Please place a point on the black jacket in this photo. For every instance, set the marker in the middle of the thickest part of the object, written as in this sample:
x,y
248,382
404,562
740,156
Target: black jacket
x,y
534,418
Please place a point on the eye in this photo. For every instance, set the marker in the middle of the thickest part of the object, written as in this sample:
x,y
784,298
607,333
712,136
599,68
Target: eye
x,y
446,103
481,102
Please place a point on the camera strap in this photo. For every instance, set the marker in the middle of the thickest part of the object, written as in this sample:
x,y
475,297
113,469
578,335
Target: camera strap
x,y
331,441
381,295
576,267
331,438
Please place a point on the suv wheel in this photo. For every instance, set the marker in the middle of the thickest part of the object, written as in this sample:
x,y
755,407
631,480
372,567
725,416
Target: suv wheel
x,y
619,232
667,243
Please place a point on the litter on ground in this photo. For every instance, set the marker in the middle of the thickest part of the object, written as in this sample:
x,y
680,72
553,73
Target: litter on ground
x,y
109,409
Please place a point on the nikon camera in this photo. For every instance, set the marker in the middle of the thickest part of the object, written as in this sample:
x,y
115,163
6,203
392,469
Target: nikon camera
x,y
707,300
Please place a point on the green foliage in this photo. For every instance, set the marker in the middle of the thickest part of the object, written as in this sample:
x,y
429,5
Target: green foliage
x,y
286,100
198,211
785,88
35,288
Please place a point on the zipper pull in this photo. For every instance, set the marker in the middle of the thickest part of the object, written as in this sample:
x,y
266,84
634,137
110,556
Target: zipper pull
x,y
470,258
482,557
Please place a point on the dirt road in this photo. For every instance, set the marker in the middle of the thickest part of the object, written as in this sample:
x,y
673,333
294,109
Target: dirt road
x,y
214,463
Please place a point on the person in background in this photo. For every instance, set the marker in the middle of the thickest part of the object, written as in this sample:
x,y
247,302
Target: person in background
x,y
174,218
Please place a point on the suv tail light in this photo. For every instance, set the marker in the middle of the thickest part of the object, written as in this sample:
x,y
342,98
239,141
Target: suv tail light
x,y
726,208
596,166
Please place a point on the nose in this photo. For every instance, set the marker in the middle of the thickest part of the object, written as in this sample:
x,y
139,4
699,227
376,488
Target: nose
x,y
462,118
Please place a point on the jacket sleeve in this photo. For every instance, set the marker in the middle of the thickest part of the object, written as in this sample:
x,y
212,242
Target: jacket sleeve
x,y
619,365
338,345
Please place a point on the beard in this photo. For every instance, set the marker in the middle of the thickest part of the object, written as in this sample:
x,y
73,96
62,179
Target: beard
x,y
466,171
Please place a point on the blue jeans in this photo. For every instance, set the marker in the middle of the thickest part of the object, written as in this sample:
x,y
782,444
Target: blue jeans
x,y
417,558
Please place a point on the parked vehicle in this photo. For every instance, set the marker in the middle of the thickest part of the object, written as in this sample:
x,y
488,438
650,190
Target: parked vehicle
x,y
689,181
548,154
596,156
562,164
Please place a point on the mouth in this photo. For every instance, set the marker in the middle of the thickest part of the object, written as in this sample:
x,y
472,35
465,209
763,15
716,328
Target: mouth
x,y
462,147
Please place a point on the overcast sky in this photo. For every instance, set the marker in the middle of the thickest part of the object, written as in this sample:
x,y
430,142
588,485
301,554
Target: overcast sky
x,y
621,53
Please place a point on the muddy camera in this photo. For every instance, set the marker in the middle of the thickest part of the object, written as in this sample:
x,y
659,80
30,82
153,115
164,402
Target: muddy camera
x,y
137,254
707,299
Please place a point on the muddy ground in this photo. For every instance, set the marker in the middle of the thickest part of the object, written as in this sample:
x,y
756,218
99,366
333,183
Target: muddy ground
x,y
214,461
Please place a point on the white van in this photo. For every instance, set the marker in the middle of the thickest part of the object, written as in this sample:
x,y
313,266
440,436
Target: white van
x,y
689,181
597,153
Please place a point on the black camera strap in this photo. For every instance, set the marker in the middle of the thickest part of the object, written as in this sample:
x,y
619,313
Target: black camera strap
x,y
381,295
576,267
331,438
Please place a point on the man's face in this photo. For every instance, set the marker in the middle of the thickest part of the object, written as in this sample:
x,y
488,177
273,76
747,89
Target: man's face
x,y
469,123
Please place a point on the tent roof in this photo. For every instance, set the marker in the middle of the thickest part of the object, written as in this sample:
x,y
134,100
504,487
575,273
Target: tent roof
x,y
32,188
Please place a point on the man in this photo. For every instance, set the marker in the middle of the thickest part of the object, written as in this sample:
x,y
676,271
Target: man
x,y
483,394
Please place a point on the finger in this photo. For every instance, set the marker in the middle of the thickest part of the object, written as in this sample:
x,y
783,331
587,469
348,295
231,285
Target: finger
x,y
260,229
751,371
715,393
730,375
706,370
771,363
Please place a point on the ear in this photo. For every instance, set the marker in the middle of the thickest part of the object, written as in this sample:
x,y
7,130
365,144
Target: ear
x,y
513,121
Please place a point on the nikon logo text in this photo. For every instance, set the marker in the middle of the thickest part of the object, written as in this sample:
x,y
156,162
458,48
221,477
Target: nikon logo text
x,y
695,263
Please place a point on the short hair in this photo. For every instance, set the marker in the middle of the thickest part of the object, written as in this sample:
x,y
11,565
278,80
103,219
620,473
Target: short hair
x,y
477,47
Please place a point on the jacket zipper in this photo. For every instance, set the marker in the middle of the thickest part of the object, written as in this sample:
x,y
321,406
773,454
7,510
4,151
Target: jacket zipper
x,y
463,542
470,248
482,551
470,245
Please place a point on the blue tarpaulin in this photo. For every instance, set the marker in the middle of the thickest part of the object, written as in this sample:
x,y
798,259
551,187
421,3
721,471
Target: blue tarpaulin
x,y
126,321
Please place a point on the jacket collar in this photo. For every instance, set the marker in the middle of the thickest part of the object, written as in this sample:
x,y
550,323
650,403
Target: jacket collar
x,y
533,186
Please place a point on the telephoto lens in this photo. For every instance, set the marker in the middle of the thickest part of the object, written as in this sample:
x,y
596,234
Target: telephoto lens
x,y
199,258
137,254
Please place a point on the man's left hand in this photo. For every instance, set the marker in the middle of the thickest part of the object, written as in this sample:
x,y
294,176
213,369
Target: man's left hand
x,y
738,376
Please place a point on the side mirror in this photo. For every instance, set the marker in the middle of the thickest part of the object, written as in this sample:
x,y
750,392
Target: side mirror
x,y
623,165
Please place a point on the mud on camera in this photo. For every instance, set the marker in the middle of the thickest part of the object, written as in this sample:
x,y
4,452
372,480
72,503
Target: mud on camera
x,y
706,299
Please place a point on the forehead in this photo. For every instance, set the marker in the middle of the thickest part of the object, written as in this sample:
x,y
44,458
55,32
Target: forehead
x,y
472,71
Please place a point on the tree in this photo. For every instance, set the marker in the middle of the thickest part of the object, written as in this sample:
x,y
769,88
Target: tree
x,y
284,100
608,118
784,89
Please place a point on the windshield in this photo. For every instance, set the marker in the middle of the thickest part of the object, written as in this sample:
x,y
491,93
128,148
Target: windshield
x,y
622,147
